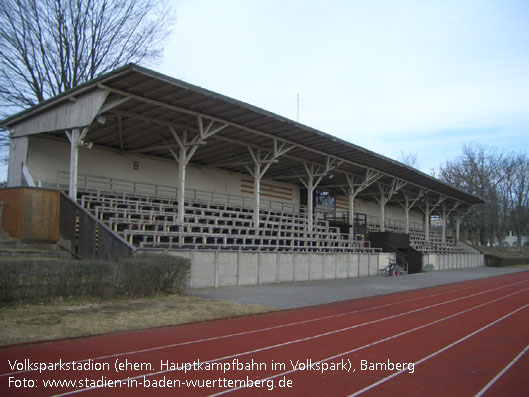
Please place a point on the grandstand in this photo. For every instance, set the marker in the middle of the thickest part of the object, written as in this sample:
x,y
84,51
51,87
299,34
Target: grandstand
x,y
248,195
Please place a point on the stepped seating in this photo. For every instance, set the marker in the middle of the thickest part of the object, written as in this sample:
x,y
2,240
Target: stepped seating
x,y
151,222
418,241
147,215
148,221
435,244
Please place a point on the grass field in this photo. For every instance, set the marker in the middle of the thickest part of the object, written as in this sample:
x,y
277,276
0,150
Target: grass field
x,y
71,318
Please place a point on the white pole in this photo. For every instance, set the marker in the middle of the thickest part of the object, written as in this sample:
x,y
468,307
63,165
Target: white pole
x,y
382,213
181,183
427,222
351,215
75,141
256,194
310,190
443,224
407,214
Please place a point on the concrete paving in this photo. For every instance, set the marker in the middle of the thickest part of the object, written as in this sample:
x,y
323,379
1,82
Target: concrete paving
x,y
299,294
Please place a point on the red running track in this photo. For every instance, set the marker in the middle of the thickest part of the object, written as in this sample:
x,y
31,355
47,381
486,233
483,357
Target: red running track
x,y
460,339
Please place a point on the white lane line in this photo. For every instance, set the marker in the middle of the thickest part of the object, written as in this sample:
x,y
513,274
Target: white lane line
x,y
381,340
152,349
440,351
502,372
311,338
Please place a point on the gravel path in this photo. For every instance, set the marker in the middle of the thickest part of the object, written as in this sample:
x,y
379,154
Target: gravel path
x,y
299,294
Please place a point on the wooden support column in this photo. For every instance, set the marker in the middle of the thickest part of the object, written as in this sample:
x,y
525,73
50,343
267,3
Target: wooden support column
x,y
310,201
314,175
386,192
446,212
382,204
262,162
257,173
185,152
407,219
183,159
257,176
76,140
351,195
427,213
356,185
443,224
187,148
429,208
408,204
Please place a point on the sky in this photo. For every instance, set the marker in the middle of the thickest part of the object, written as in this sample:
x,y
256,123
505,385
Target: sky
x,y
396,77
413,77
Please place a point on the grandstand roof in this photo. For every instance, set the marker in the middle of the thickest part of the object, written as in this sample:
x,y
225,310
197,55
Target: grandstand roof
x,y
137,107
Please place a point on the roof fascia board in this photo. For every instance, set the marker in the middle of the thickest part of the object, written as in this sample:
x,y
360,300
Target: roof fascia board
x,y
68,95
63,116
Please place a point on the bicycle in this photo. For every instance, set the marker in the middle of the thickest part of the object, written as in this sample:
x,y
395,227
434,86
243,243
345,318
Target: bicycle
x,y
391,269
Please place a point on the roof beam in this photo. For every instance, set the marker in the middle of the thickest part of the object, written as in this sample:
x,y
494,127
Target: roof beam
x,y
152,120
112,104
241,127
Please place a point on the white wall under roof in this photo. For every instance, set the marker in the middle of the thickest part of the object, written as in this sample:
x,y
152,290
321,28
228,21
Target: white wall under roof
x,y
48,156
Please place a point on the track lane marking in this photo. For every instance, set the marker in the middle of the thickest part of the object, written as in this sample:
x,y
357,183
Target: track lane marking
x,y
322,335
502,372
439,351
381,340
150,349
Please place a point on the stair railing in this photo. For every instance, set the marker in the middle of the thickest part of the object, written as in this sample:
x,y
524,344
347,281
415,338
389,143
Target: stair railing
x,y
88,238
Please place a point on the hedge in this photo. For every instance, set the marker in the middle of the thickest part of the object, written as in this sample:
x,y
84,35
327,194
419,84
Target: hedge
x,y
144,275
499,261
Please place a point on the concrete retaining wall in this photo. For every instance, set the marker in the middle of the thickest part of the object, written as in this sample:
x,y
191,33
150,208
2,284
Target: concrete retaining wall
x,y
453,261
211,268
216,268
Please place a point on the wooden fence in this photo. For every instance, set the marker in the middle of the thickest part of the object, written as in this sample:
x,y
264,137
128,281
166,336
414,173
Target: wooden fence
x,y
44,215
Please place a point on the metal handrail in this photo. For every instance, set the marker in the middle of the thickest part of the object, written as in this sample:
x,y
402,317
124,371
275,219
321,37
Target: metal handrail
x,y
100,184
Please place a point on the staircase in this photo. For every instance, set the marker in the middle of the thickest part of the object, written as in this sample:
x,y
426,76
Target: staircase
x,y
13,250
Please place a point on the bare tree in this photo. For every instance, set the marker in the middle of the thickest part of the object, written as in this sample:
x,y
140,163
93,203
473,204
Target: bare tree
x,y
519,196
478,171
503,207
502,180
49,46
409,158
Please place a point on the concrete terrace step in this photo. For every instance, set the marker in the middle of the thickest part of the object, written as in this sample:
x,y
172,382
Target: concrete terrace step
x,y
13,248
10,243
32,253
36,260
4,234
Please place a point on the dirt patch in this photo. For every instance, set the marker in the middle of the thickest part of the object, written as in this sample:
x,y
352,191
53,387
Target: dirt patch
x,y
63,319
